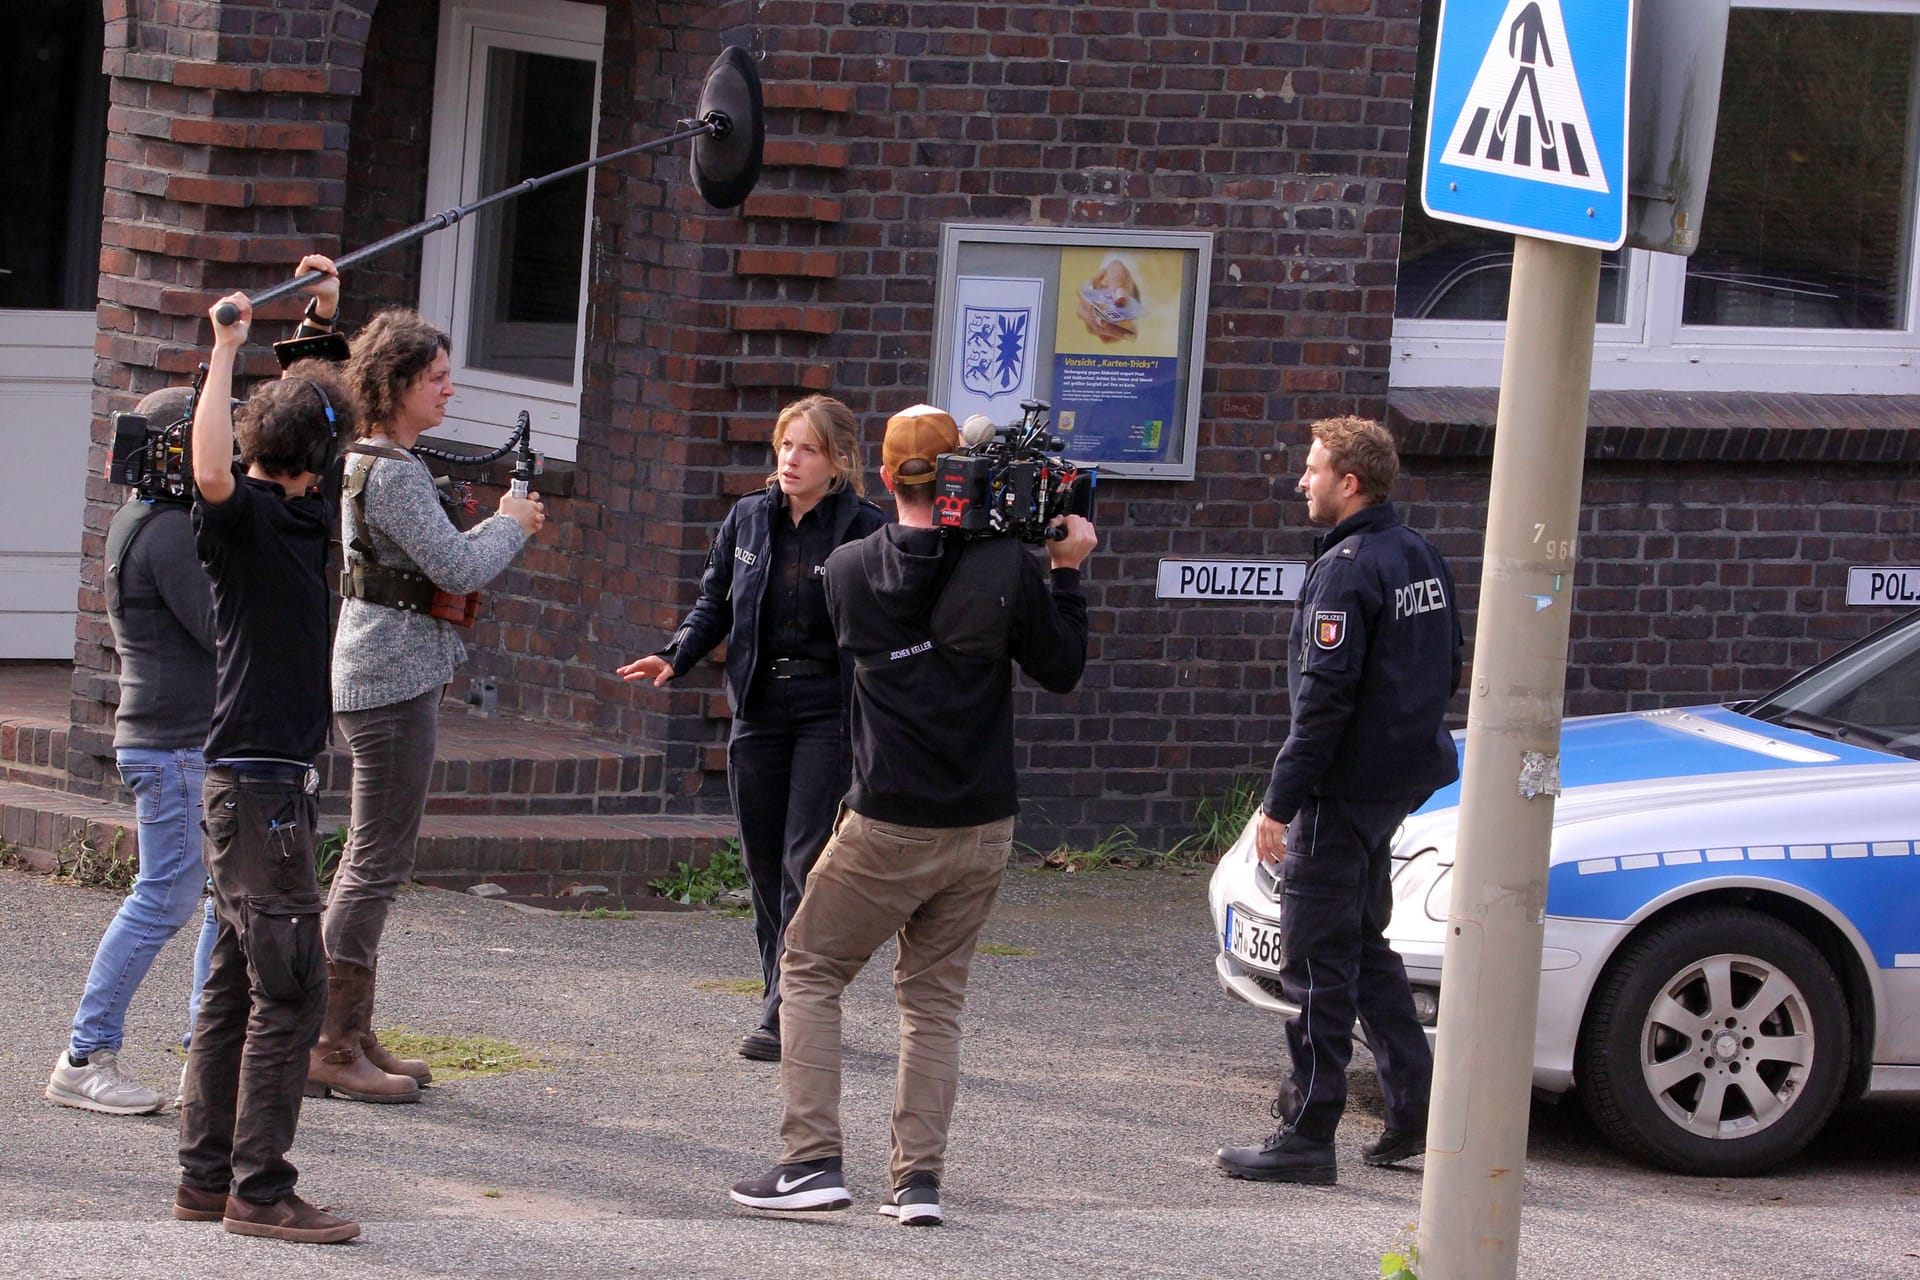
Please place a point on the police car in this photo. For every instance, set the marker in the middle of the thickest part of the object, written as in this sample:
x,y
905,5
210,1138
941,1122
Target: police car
x,y
1733,913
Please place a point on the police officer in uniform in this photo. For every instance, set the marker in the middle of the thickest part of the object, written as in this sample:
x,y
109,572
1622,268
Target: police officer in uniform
x,y
1373,657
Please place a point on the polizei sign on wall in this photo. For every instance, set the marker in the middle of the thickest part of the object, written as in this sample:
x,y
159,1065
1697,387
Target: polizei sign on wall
x,y
1231,579
1869,586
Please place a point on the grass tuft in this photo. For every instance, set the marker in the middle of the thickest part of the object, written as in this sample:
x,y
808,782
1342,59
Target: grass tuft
x,y
453,1057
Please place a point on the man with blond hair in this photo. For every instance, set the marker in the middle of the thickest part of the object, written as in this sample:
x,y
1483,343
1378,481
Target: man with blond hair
x,y
1373,657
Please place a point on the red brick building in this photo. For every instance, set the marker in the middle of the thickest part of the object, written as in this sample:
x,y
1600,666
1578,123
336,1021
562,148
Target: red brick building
x,y
1726,494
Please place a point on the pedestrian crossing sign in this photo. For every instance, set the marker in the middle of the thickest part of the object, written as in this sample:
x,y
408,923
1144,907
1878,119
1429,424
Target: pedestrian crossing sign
x,y
1527,122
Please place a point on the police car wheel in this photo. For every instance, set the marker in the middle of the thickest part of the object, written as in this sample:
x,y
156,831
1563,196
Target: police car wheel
x,y
1716,1043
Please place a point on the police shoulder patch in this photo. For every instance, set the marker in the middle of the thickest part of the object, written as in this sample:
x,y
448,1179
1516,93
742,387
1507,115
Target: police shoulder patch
x,y
1329,627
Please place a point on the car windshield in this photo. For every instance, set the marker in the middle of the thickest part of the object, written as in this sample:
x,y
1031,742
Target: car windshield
x,y
1868,694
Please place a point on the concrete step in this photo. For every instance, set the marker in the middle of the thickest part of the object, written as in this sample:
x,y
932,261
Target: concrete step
x,y
33,750
48,829
531,856
544,857
533,807
482,765
508,766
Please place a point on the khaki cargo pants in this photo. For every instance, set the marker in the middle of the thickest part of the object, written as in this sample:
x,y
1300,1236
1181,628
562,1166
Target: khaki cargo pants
x,y
934,887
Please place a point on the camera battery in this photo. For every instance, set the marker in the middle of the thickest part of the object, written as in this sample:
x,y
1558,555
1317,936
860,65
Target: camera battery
x,y
962,492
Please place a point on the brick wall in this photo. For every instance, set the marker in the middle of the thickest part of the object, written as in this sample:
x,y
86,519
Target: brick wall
x,y
1715,532
1284,131
240,129
226,159
392,125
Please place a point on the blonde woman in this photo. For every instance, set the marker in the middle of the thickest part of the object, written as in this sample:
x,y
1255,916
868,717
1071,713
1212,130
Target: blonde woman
x,y
764,594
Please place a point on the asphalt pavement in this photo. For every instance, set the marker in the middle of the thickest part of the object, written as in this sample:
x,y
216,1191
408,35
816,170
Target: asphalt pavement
x,y
1100,1072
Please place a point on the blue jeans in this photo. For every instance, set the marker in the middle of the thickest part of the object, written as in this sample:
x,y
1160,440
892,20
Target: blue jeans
x,y
166,788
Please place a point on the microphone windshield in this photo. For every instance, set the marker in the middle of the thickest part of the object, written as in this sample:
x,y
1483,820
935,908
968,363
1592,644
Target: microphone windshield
x,y
976,431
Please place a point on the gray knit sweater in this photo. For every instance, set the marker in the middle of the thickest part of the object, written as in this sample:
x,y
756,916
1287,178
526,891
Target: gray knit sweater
x,y
383,655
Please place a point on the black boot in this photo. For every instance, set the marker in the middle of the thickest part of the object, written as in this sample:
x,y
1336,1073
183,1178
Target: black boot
x,y
1288,1156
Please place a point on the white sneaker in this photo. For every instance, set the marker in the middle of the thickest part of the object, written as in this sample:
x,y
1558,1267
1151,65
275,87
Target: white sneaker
x,y
101,1086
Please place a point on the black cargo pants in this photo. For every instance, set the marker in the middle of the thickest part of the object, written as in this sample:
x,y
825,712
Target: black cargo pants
x,y
788,767
266,991
1336,896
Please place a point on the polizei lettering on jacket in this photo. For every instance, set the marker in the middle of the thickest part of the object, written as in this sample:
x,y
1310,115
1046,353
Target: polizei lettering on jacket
x,y
1418,597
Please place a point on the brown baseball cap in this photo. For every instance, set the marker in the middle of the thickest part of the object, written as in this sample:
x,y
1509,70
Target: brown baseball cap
x,y
919,434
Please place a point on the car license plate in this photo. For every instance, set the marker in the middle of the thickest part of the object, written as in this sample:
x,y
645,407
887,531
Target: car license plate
x,y
1252,940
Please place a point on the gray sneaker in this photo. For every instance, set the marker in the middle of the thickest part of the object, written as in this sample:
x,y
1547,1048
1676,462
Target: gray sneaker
x,y
101,1086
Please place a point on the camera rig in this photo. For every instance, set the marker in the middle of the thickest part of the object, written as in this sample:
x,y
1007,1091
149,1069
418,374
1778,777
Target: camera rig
x,y
1017,482
153,459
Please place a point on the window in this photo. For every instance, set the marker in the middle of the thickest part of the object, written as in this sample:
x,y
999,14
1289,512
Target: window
x,y
516,97
1804,279
53,138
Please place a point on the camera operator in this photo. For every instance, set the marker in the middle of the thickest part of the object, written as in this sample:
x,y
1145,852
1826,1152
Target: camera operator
x,y
262,535
160,606
935,625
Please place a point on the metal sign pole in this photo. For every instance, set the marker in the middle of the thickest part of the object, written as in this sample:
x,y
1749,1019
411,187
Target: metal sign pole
x,y
1477,1125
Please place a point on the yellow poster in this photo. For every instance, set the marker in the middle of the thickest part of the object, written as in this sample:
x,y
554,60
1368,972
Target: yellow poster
x,y
1119,302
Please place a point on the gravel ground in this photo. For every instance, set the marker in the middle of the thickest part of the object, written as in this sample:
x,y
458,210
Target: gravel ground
x,y
1101,1071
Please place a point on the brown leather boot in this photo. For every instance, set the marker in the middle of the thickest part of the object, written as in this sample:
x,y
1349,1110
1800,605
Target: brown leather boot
x,y
337,1064
380,1056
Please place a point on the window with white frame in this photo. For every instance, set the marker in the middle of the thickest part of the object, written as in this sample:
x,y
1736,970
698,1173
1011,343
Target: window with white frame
x,y
1805,277
516,96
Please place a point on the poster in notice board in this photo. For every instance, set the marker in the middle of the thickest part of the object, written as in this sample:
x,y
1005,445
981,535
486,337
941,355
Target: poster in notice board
x,y
1106,326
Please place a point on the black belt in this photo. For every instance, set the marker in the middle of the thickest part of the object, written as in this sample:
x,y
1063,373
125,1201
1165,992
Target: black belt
x,y
788,668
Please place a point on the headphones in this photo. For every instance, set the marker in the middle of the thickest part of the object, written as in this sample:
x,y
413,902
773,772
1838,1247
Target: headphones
x,y
325,451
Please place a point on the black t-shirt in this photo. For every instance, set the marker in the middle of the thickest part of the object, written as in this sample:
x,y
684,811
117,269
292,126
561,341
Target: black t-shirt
x,y
267,556
793,615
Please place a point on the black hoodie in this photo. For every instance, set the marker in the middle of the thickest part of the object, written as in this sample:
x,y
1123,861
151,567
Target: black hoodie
x,y
933,686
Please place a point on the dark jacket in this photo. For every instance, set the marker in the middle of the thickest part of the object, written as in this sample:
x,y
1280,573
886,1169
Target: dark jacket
x,y
735,582
160,605
935,627
1373,656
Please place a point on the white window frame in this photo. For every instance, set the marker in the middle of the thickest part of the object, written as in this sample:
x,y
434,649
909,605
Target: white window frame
x,y
1653,351
486,402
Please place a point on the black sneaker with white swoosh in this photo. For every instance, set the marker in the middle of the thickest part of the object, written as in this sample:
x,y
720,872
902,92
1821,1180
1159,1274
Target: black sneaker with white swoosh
x,y
916,1203
810,1185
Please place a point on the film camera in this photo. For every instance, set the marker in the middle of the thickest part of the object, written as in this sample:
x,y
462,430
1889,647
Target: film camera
x,y
150,457
1014,481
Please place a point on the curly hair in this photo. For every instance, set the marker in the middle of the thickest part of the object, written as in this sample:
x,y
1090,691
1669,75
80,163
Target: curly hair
x,y
1363,449
835,430
394,348
284,423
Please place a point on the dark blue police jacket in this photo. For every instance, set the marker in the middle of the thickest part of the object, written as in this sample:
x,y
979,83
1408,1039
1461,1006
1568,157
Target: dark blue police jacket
x,y
1373,656
735,581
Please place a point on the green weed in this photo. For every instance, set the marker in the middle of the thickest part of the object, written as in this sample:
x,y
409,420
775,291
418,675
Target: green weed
x,y
83,862
1002,949
699,886
1217,822
1117,848
1399,1262
326,855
